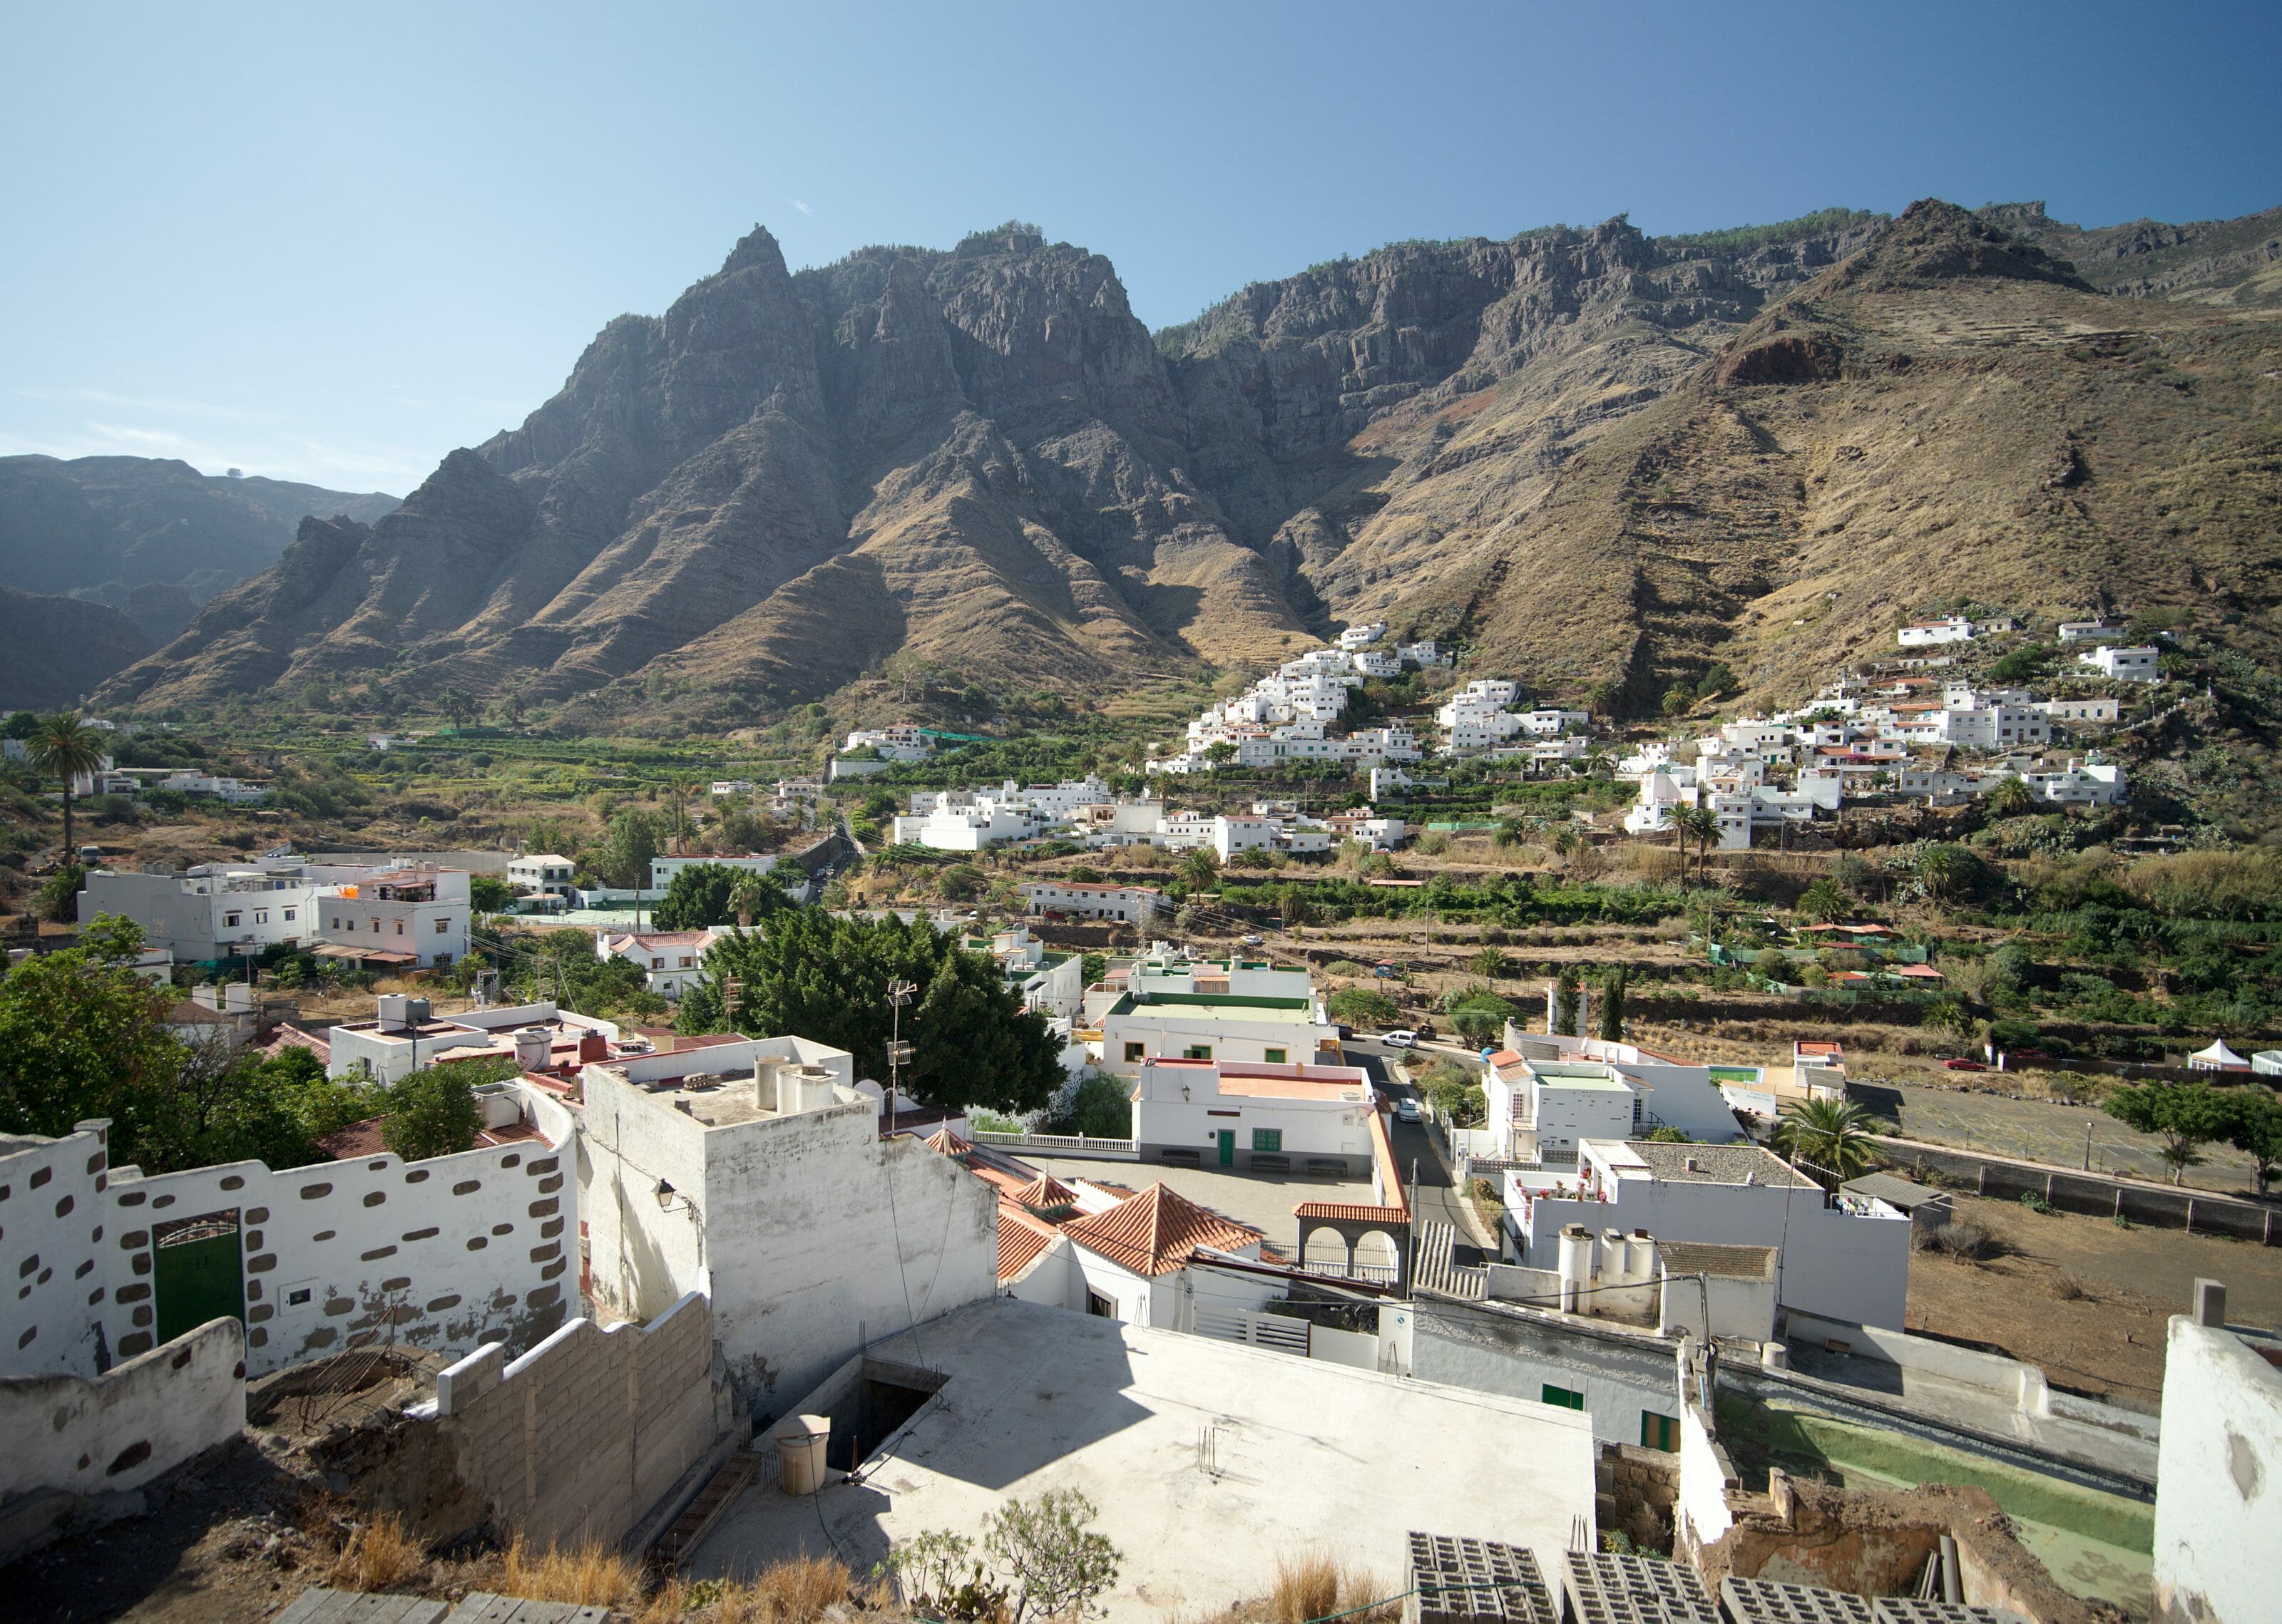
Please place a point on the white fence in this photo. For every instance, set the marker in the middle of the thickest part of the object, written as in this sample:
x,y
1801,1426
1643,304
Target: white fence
x,y
1063,1144
1385,1275
1236,1324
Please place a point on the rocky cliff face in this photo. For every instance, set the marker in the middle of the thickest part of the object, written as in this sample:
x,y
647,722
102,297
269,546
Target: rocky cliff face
x,y
53,651
1560,445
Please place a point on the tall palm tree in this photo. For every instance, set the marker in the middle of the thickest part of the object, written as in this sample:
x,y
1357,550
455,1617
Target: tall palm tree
x,y
64,747
1825,903
1832,1135
681,788
1200,867
1700,824
2012,797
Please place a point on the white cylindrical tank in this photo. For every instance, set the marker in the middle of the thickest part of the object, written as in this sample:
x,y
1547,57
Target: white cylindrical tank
x,y
1642,1246
1576,1264
810,1087
800,1441
534,1046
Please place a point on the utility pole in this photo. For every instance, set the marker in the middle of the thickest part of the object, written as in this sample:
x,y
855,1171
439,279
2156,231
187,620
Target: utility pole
x,y
899,1053
733,998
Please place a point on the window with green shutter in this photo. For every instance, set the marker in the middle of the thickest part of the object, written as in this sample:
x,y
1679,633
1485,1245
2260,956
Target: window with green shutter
x,y
1197,1051
1275,1056
1267,1139
1135,1051
1564,1397
1660,1431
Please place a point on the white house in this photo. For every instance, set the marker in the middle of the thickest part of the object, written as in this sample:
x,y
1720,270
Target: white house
x,y
949,827
2083,713
671,962
1127,904
2090,631
1363,637
1834,1264
416,915
2136,664
403,1037
902,742
545,874
1232,1012
1949,628
755,1172
1261,1116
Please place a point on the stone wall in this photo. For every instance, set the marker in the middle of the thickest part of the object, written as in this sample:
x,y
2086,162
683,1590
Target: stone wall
x,y
1636,1491
584,1436
51,1222
89,1435
446,1254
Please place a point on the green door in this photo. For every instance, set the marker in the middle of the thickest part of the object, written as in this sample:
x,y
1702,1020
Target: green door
x,y
195,1272
1228,1147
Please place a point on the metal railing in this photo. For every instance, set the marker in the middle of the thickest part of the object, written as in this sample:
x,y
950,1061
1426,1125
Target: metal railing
x,y
1385,1275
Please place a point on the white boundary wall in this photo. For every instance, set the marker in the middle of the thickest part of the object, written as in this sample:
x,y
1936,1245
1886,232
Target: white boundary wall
x,y
90,1435
2221,1476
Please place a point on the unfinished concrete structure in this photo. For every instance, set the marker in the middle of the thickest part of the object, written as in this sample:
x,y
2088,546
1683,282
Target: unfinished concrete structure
x,y
755,1173
1205,1458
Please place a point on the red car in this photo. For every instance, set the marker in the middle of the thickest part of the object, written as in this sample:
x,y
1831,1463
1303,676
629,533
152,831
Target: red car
x,y
1963,1065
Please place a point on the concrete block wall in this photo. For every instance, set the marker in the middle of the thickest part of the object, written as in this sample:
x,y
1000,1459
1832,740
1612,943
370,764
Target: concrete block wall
x,y
87,1435
51,1258
582,1436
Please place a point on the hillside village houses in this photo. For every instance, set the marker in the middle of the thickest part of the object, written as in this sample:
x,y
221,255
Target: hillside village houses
x,y
671,962
1289,713
1068,899
415,916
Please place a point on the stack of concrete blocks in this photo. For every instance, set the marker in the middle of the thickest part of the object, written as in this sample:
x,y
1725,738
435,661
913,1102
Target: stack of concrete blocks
x,y
1603,1587
1458,1580
590,1435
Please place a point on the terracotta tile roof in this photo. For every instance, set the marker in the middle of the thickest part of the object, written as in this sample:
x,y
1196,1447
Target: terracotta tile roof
x,y
1045,1190
948,1142
1341,1211
1154,1233
1503,1058
1021,1239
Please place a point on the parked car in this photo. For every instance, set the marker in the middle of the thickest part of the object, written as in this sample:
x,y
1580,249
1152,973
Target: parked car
x,y
1963,1065
1256,941
1400,1039
1406,1110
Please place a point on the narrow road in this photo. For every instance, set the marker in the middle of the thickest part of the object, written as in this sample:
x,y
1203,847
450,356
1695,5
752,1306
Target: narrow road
x,y
1435,1197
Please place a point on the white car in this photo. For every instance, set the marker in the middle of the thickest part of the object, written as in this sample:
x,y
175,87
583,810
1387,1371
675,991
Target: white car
x,y
1406,1110
1403,1039
1254,941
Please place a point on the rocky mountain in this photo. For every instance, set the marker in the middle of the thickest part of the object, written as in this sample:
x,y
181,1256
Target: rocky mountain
x,y
54,650
2209,262
154,538
1607,459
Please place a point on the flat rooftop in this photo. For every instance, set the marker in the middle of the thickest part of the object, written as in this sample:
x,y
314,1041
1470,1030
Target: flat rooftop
x,y
1587,1078
1741,1164
1036,1398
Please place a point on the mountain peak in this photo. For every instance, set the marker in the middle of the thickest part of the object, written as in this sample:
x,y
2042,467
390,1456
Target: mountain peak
x,y
756,249
1934,241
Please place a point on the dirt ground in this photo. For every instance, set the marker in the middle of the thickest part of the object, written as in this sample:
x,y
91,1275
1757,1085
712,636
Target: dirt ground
x,y
2082,1299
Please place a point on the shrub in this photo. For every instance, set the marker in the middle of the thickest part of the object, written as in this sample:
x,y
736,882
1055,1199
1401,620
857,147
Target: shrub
x,y
1059,1565
588,1576
378,1555
1964,1242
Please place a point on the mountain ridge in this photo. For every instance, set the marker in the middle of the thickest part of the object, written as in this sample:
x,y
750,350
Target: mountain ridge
x,y
979,458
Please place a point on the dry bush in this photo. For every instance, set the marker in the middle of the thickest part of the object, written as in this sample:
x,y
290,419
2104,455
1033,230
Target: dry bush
x,y
801,1589
377,1555
589,1574
1312,1585
1306,1587
2067,1288
1963,1243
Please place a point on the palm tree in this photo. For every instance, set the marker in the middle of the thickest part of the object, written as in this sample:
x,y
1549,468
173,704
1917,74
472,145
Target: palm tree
x,y
753,893
682,788
2011,799
1825,903
1489,964
1700,824
1833,1136
1200,867
64,748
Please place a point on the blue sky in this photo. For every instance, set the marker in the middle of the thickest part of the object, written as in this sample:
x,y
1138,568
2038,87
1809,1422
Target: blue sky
x,y
331,243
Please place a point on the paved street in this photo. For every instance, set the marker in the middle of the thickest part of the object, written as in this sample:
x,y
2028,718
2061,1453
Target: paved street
x,y
1433,1198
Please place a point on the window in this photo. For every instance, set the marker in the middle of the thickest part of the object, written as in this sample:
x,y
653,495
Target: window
x,y
1099,1306
399,926
289,915
298,1296
1197,1051
1136,1051
657,963
1267,1139
230,921
443,927
1562,1397
1660,1431
1275,1056
261,916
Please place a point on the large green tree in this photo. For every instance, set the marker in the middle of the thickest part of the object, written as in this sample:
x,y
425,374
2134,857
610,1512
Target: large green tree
x,y
819,975
709,894
623,858
1832,1137
2185,1116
